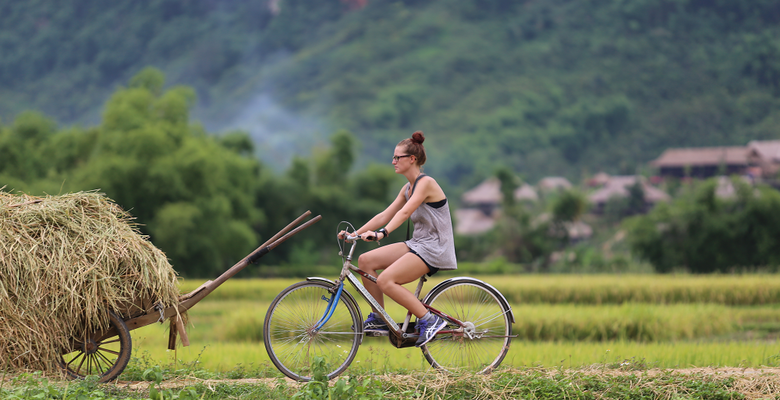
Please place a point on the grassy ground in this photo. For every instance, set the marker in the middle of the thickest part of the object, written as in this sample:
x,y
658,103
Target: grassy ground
x,y
379,356
597,382
699,343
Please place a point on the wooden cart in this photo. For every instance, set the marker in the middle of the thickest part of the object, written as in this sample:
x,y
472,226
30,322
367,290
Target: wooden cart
x,y
105,353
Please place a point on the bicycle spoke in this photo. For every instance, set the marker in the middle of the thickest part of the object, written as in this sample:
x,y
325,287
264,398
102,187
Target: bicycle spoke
x,y
481,343
290,341
490,318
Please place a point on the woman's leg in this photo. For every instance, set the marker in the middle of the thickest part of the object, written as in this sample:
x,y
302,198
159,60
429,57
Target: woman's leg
x,y
377,259
408,268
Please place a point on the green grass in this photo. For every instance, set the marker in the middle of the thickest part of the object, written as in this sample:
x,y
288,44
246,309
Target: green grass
x,y
746,289
226,328
755,289
242,321
377,355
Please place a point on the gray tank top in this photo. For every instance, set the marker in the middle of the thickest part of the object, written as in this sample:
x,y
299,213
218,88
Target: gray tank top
x,y
432,238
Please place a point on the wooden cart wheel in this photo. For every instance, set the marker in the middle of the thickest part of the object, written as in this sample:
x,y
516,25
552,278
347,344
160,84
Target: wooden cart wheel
x,y
104,354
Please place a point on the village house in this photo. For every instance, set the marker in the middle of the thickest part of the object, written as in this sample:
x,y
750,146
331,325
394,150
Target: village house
x,y
487,195
553,183
764,155
703,162
483,207
471,221
597,180
619,187
759,160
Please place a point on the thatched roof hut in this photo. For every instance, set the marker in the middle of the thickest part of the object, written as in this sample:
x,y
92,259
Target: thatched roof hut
x,y
618,186
483,203
489,192
471,221
551,183
526,192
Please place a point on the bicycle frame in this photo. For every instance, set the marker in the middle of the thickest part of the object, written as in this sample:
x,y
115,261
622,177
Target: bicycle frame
x,y
398,331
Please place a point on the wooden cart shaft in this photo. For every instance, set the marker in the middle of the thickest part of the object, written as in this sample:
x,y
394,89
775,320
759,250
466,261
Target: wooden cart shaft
x,y
188,300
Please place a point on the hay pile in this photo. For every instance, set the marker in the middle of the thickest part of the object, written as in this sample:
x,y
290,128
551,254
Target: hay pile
x,y
64,260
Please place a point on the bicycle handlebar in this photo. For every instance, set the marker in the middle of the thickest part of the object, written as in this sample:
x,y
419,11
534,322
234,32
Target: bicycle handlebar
x,y
351,238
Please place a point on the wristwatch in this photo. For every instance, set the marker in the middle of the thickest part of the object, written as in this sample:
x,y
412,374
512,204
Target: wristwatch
x,y
383,231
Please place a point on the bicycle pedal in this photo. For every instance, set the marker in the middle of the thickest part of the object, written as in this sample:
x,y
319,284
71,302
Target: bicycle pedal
x,y
376,333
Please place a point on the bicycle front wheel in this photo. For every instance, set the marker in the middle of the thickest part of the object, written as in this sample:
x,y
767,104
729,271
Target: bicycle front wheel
x,y
483,343
292,342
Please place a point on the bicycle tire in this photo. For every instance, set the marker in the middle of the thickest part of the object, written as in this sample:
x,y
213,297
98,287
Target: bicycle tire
x,y
288,336
478,305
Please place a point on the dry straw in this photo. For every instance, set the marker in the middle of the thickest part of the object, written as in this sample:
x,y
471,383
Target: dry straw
x,y
64,261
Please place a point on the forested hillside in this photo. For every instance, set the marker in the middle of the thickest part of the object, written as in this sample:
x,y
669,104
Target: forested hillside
x,y
541,86
141,100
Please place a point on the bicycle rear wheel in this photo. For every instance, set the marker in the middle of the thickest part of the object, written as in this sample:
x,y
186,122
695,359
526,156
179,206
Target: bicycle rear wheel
x,y
483,344
290,338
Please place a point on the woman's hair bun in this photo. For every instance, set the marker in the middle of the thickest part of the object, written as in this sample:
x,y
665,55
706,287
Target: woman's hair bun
x,y
418,137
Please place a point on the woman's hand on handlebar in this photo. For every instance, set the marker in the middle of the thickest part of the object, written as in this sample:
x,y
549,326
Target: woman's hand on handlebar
x,y
368,236
344,235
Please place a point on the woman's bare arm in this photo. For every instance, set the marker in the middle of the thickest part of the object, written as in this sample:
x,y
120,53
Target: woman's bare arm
x,y
385,216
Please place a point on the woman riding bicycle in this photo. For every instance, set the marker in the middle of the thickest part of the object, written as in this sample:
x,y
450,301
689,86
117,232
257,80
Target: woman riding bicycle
x,y
430,249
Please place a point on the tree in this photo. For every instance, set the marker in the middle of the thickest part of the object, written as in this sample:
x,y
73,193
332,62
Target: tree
x,y
21,146
333,164
521,236
193,193
569,206
763,63
703,233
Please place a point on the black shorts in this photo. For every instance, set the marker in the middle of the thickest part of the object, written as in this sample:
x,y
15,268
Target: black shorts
x,y
431,270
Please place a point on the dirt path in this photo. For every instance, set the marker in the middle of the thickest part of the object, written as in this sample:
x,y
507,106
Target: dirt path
x,y
181,383
754,383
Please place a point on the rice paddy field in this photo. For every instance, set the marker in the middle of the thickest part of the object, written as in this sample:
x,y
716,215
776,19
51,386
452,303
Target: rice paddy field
x,y
564,321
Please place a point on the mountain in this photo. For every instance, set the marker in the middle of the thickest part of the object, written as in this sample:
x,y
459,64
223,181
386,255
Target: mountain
x,y
544,87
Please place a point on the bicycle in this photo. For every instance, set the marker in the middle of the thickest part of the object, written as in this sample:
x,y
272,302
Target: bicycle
x,y
317,317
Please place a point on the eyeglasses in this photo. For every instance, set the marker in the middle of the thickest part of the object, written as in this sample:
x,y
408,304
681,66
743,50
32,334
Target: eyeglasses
x,y
396,158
